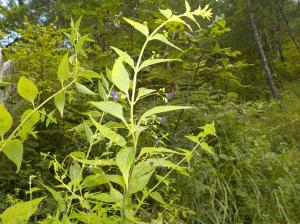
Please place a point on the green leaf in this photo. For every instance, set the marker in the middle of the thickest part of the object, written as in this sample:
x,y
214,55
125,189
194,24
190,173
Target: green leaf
x,y
150,62
206,147
157,197
29,124
58,198
187,6
166,13
125,158
138,26
209,129
179,20
162,162
75,171
27,89
204,13
162,109
89,74
59,101
20,212
163,38
63,72
95,180
191,16
13,150
144,92
120,76
152,150
6,120
96,162
112,108
110,134
113,197
140,177
127,58
84,90
101,90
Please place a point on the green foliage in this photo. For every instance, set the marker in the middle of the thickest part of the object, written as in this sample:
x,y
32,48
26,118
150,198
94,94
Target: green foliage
x,y
115,145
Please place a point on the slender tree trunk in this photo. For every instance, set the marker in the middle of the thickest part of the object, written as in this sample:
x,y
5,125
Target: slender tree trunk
x,y
293,36
262,55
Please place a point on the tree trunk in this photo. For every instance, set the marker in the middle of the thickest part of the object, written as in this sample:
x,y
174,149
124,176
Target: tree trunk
x,y
293,36
262,55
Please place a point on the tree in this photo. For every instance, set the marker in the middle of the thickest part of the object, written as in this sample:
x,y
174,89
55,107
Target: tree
x,y
261,52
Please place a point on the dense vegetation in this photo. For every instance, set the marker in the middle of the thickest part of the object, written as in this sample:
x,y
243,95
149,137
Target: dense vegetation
x,y
149,111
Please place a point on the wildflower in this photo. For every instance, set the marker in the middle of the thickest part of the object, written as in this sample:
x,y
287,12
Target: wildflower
x,y
151,163
114,95
163,119
89,170
156,140
170,95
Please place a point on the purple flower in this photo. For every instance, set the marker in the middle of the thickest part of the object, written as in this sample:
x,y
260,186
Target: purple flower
x,y
114,95
163,119
86,211
151,163
170,95
156,140
89,170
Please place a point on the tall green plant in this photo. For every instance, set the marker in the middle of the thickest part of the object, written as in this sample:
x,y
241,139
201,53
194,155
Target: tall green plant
x,y
121,182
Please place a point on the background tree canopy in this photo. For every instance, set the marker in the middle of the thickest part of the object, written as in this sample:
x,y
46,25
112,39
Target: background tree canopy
x,y
149,111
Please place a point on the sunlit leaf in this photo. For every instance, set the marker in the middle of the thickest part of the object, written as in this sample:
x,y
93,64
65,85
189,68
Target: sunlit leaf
x,y
59,101
84,90
6,120
110,134
112,108
120,76
27,89
138,26
20,212
13,150
166,13
63,72
164,39
125,158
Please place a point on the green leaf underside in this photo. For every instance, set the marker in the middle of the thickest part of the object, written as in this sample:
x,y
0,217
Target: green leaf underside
x,y
120,76
59,101
6,120
83,89
164,39
110,134
13,150
27,89
138,26
63,72
112,108
125,159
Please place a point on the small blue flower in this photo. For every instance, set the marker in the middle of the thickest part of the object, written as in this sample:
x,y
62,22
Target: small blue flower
x,y
114,95
151,163
170,95
89,170
163,119
86,211
156,140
